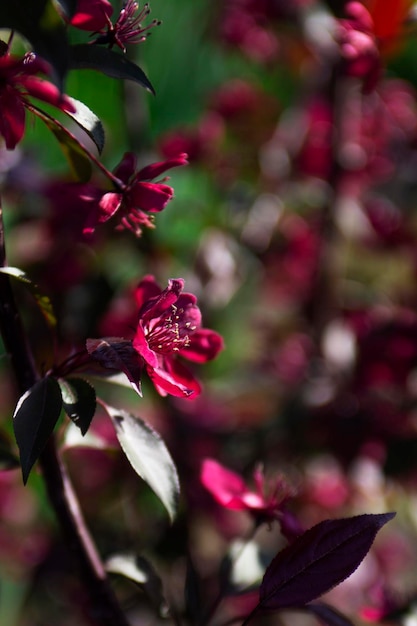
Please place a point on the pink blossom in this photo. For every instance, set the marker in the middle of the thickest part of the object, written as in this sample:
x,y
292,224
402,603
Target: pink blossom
x,y
358,45
170,327
230,491
136,197
17,82
91,15
128,27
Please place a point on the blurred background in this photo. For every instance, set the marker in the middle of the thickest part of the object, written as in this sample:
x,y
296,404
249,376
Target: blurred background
x,y
294,224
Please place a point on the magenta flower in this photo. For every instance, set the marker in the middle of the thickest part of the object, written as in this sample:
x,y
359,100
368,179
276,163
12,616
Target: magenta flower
x,y
17,82
137,195
358,45
128,27
230,490
91,15
170,327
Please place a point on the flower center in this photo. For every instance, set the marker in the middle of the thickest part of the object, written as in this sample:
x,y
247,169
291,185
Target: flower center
x,y
169,332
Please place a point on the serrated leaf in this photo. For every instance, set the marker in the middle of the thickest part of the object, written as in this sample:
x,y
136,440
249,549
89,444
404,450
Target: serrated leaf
x,y
79,401
89,122
93,57
319,559
34,420
148,455
79,162
42,300
116,353
39,22
141,571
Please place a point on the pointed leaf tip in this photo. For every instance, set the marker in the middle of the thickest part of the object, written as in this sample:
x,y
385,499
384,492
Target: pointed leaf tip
x,y
94,57
148,455
319,559
79,401
35,417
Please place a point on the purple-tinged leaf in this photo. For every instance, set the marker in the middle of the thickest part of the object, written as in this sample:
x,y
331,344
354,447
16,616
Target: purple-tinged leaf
x,y
79,400
319,559
116,353
91,57
327,614
34,420
148,455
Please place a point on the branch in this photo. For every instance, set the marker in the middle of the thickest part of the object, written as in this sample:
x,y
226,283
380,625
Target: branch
x,y
105,609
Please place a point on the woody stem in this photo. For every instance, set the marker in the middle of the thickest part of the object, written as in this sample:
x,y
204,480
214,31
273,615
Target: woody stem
x,y
104,609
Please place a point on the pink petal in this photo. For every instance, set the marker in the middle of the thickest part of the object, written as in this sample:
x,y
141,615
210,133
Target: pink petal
x,y
227,487
141,346
153,171
188,316
186,299
156,307
27,65
91,14
152,197
253,500
147,289
47,92
108,205
205,344
126,167
174,379
12,118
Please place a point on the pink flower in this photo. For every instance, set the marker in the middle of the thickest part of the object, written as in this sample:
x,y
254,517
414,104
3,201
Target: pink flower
x,y
17,82
230,490
170,327
128,27
358,45
136,196
91,15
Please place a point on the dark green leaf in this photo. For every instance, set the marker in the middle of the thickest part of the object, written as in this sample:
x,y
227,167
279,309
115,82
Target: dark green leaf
x,y
68,6
85,56
79,162
79,400
42,300
89,122
148,455
34,420
39,22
